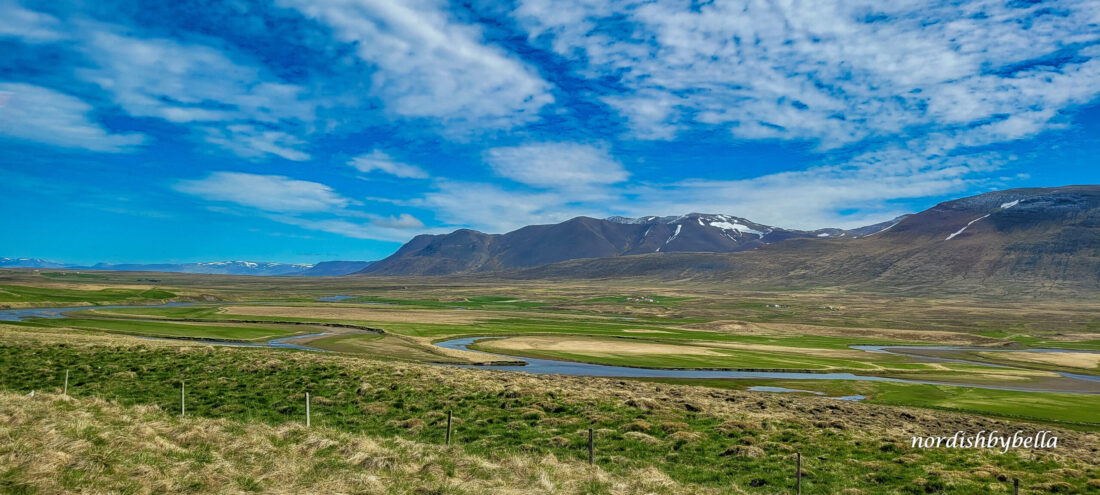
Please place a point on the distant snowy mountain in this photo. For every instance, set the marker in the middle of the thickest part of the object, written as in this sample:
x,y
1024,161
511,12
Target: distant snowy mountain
x,y
255,268
333,268
215,267
29,263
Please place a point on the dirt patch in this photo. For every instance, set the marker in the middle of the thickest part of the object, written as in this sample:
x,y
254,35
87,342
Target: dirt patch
x,y
1088,361
802,351
616,347
443,317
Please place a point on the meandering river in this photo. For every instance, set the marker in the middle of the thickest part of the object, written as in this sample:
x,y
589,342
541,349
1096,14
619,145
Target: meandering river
x,y
554,367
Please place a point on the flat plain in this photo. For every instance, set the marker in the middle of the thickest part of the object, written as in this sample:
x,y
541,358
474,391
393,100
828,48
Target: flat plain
x,y
383,379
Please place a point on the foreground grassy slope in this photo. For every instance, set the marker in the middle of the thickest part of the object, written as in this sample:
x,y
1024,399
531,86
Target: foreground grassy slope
x,y
56,444
704,439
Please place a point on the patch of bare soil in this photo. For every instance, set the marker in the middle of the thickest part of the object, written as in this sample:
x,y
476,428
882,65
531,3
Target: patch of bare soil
x,y
940,337
590,346
1088,361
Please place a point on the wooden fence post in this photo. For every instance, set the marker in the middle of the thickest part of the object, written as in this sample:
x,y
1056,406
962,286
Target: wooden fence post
x,y
449,427
1015,486
183,398
591,448
65,391
307,409
798,474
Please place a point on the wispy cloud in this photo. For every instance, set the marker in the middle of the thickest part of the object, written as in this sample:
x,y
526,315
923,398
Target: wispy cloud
x,y
430,65
43,115
492,208
274,193
832,72
305,204
237,106
252,141
399,229
856,193
378,160
27,25
556,165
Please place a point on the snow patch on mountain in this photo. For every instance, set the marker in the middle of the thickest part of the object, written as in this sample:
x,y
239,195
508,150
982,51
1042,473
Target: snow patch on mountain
x,y
674,234
952,236
737,227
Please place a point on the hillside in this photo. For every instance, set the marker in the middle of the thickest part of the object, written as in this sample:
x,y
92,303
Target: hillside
x,y
1033,237
469,251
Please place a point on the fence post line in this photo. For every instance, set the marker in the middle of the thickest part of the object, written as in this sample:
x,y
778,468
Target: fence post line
x,y
1015,486
307,409
591,448
65,391
798,474
183,398
449,426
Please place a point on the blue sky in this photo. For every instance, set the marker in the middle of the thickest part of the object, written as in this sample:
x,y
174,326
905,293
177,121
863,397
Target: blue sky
x,y
305,130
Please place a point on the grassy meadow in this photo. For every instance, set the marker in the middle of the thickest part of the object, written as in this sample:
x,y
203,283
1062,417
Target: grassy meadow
x,y
379,396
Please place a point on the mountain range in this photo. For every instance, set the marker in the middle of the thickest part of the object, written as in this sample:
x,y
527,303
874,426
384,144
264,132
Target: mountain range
x,y
1017,239
257,268
1022,240
470,251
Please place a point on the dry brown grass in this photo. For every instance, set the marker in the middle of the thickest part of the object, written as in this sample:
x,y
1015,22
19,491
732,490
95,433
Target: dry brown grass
x,y
591,346
1089,361
799,329
56,444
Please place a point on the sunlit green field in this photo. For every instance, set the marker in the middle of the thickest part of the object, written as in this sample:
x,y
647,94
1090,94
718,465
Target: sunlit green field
x,y
685,327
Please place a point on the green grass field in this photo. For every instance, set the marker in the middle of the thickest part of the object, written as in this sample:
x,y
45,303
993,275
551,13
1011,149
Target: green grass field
x,y
705,435
27,294
168,329
498,414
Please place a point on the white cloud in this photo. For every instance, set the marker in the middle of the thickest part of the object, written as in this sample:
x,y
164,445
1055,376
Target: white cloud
x,y
556,165
382,162
818,197
42,115
402,221
401,230
236,106
491,208
813,198
430,65
834,72
305,204
274,193
27,25
252,141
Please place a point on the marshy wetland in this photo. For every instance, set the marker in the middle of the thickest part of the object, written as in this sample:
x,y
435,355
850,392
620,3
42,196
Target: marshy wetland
x,y
675,424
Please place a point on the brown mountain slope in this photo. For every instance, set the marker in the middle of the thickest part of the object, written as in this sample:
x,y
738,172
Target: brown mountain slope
x,y
1027,238
469,251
